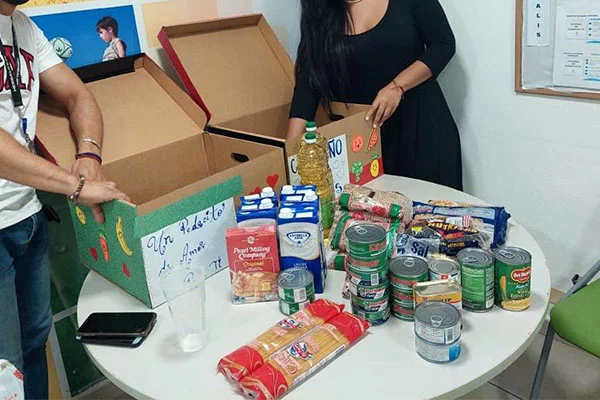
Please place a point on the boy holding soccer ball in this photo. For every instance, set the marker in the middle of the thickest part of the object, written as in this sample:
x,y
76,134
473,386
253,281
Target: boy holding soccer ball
x,y
27,63
108,29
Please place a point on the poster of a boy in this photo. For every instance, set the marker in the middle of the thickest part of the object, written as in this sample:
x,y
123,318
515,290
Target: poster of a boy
x,y
108,29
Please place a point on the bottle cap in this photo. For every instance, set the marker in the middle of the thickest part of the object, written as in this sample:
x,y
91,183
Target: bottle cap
x,y
310,196
266,204
287,189
286,213
268,191
311,126
310,138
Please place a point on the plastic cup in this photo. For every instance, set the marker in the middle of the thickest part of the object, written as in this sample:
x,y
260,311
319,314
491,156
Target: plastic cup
x,y
184,289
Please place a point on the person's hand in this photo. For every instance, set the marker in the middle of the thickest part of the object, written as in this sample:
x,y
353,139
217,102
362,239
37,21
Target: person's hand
x,y
88,168
384,106
95,193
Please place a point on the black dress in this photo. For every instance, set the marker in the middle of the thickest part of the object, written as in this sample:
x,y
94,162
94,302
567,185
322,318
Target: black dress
x,y
421,139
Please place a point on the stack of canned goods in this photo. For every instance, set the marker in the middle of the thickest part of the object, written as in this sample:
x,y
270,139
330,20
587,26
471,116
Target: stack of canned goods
x,y
437,331
477,275
405,273
296,290
367,268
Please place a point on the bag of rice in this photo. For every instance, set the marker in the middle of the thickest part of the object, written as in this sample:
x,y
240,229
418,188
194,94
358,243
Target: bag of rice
x,y
384,204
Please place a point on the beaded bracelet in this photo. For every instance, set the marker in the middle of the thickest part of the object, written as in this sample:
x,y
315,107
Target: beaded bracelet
x,y
93,156
75,196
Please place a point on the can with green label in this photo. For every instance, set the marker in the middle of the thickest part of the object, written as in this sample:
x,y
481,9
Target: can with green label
x,y
366,240
513,278
406,271
295,285
374,318
368,276
376,260
404,310
477,279
370,305
370,292
288,308
402,295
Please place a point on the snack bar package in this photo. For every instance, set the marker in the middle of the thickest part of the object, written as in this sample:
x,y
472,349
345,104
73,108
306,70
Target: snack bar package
x,y
345,219
384,204
247,358
289,367
11,382
451,238
492,222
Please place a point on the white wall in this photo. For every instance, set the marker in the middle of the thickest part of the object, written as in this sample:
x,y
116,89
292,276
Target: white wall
x,y
538,156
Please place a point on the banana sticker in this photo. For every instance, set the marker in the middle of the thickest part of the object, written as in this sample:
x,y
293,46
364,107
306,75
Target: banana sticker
x,y
80,215
121,237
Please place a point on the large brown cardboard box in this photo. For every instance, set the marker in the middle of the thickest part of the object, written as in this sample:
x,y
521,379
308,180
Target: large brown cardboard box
x,y
239,73
182,181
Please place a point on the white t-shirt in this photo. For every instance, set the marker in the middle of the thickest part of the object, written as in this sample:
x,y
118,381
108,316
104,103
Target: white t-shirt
x,y
18,202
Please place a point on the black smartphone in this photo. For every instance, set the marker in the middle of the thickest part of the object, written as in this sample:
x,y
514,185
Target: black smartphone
x,y
117,324
119,341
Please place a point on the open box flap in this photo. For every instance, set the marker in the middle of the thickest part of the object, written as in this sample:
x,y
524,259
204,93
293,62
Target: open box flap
x,y
143,110
233,66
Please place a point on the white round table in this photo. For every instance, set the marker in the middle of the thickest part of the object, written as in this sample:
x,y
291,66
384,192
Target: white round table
x,y
384,362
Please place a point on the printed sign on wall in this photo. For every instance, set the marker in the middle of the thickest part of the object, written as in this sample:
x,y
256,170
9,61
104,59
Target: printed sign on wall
x,y
195,239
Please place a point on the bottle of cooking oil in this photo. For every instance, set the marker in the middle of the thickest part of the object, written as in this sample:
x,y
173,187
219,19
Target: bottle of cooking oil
x,y
311,127
313,167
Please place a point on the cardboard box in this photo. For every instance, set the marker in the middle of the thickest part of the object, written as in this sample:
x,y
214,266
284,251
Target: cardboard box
x,y
182,181
239,73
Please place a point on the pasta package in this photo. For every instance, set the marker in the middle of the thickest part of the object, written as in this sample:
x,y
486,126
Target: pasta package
x,y
246,359
289,367
377,202
492,222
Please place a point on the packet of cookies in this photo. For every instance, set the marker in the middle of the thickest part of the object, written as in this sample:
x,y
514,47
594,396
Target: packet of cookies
x,y
253,263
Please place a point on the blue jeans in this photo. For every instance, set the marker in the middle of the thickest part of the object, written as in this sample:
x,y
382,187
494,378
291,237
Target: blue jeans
x,y
25,315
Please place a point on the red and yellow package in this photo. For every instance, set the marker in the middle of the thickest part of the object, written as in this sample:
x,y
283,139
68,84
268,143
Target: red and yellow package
x,y
306,356
248,358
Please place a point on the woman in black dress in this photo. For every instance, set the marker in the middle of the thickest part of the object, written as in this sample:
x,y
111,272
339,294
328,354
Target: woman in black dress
x,y
387,53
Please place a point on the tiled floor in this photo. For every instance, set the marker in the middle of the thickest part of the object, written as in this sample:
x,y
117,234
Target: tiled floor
x,y
571,375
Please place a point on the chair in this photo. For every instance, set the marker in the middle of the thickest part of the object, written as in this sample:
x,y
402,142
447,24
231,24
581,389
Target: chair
x,y
576,319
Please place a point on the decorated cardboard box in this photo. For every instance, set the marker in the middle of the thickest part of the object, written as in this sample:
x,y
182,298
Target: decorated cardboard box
x,y
182,181
241,75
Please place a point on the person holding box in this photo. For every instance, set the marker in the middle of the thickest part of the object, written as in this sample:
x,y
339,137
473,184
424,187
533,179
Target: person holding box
x,y
28,62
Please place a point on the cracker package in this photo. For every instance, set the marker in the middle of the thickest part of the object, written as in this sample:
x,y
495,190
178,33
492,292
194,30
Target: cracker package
x,y
250,357
253,263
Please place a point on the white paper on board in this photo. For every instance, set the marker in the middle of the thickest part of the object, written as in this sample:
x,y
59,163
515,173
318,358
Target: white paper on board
x,y
338,162
198,238
538,23
577,48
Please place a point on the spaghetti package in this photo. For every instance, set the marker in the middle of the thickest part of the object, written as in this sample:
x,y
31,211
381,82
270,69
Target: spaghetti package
x,y
247,358
377,202
345,219
492,222
295,363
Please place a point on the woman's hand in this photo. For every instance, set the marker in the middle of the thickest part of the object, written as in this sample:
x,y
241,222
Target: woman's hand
x,y
385,105
95,193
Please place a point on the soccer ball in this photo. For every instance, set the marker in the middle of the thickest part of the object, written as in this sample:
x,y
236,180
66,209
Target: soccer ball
x,y
62,47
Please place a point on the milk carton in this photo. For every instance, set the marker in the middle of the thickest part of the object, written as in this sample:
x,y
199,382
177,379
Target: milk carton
x,y
289,190
300,243
309,196
263,213
266,193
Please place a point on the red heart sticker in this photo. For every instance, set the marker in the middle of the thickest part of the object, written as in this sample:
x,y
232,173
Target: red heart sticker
x,y
255,191
272,180
126,271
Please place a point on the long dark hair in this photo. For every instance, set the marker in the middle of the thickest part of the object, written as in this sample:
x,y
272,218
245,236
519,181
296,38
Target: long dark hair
x,y
324,49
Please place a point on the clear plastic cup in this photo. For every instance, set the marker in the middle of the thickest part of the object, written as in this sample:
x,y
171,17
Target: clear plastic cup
x,y
184,289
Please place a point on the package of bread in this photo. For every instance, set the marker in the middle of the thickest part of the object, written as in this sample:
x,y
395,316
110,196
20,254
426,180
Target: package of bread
x,y
292,365
253,355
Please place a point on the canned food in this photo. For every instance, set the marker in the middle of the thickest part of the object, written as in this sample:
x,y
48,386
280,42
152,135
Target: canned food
x,y
366,240
374,318
437,353
406,271
402,295
369,292
446,291
403,310
375,261
513,279
368,277
444,268
437,322
291,308
370,305
295,285
477,279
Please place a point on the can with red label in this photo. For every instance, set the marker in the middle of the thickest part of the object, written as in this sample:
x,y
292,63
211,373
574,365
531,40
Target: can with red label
x,y
513,278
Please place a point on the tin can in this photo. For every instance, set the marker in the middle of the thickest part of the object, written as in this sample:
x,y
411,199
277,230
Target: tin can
x,y
295,285
291,308
370,305
370,292
513,278
477,279
437,353
403,310
444,268
366,240
374,318
437,322
446,291
376,260
402,295
368,276
406,271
